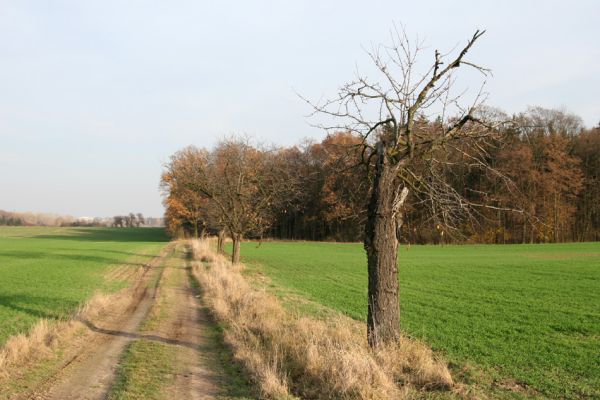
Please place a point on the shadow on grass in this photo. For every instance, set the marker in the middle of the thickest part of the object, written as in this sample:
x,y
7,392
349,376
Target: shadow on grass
x,y
37,306
111,235
102,250
40,255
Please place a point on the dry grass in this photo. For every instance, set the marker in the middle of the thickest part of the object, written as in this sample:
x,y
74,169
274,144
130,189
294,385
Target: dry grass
x,y
47,335
290,355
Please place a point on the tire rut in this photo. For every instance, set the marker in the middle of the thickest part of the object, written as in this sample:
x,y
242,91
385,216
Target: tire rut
x,y
196,373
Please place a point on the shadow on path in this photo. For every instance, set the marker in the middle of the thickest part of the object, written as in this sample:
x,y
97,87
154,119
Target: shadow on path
x,y
133,335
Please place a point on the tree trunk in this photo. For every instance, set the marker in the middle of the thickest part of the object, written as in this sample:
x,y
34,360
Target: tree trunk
x,y
556,224
221,241
235,254
381,245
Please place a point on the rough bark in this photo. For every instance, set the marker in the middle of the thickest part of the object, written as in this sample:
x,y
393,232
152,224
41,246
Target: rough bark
x,y
235,254
381,245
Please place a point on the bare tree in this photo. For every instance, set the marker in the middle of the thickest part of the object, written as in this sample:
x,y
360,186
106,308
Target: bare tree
x,y
118,221
250,186
407,131
130,220
242,184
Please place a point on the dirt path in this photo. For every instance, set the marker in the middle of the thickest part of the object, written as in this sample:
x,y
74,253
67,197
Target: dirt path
x,y
90,366
90,373
197,375
166,311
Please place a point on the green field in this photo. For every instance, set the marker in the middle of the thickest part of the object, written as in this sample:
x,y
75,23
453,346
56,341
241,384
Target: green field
x,y
48,272
524,314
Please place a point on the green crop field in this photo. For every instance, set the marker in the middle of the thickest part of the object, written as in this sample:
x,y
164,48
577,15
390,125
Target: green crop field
x,y
524,314
48,272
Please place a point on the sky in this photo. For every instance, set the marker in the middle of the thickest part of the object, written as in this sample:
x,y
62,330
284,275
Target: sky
x,y
96,95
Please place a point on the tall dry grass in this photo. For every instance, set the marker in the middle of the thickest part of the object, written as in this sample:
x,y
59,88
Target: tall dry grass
x,y
290,355
45,335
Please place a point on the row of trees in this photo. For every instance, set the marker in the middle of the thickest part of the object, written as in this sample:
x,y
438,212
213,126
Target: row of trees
x,y
11,218
236,189
33,219
318,191
128,221
8,219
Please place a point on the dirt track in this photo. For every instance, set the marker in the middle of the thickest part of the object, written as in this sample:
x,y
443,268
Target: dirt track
x,y
196,376
91,369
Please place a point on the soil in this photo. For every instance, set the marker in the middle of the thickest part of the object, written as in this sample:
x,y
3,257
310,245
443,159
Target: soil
x,y
187,327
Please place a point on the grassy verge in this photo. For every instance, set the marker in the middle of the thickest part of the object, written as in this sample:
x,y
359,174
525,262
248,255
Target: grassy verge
x,y
146,369
521,320
290,355
237,383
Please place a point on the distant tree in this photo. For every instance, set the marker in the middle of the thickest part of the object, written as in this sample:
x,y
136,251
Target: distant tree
x,y
118,221
517,161
562,181
345,188
174,216
130,220
140,219
539,121
549,175
586,148
9,220
187,209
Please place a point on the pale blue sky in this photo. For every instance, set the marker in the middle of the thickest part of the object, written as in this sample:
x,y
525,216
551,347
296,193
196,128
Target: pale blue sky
x,y
95,95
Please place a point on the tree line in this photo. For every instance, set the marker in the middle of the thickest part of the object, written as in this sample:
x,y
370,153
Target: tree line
x,y
10,218
319,190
